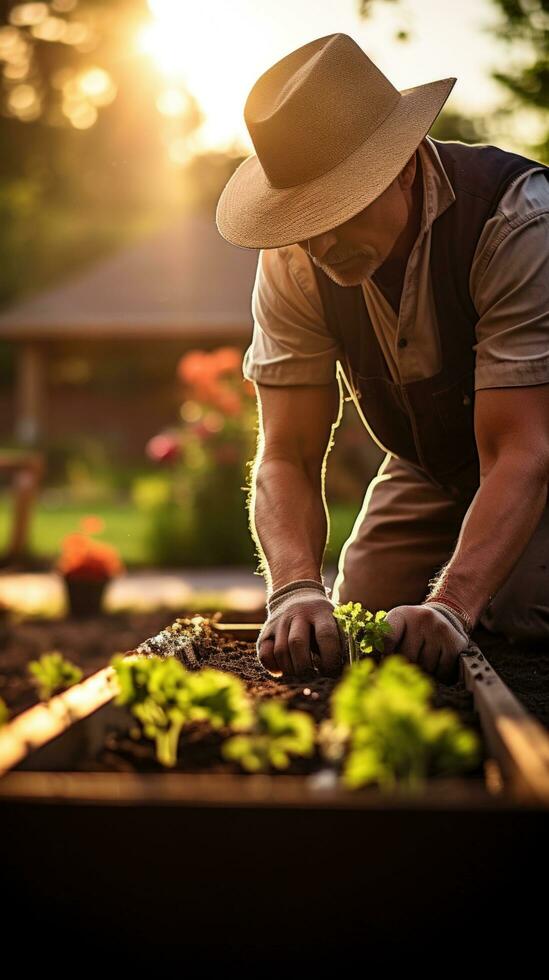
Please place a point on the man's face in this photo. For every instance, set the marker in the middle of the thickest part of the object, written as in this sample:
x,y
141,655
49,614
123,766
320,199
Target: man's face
x,y
369,238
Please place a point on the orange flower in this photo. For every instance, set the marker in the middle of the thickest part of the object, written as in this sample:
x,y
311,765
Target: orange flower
x,y
82,557
92,524
227,359
192,366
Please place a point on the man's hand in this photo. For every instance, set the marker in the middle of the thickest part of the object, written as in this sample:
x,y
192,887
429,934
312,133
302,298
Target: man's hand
x,y
299,622
432,638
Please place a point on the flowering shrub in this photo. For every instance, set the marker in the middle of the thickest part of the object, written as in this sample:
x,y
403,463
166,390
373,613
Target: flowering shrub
x,y
85,558
205,519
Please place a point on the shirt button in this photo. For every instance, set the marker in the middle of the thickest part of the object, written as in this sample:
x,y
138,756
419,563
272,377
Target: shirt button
x,y
466,400
402,342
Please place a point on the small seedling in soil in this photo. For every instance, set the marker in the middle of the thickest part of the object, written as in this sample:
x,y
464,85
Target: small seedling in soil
x,y
4,713
163,696
52,674
278,734
365,631
383,723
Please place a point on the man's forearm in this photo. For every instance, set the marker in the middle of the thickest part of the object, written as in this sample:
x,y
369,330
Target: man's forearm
x,y
289,521
495,531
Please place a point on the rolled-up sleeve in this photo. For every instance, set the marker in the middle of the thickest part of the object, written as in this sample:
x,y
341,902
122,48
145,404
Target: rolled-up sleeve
x,y
290,343
511,296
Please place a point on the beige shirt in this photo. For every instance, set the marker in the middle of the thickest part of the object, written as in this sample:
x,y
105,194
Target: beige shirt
x,y
509,286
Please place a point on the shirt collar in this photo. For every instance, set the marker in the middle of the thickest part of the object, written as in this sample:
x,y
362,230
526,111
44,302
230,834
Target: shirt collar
x,y
438,193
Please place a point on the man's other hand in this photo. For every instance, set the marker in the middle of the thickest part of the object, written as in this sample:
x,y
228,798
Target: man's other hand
x,y
430,637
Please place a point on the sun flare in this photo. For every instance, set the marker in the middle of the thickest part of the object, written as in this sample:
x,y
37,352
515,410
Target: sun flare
x,y
210,52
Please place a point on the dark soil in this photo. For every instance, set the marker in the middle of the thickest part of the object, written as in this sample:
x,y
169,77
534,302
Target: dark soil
x,y
89,642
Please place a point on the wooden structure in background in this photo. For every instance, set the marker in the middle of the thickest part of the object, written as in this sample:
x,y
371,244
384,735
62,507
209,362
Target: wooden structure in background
x,y
185,283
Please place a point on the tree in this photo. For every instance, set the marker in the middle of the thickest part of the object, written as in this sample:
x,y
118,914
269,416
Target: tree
x,y
86,133
525,23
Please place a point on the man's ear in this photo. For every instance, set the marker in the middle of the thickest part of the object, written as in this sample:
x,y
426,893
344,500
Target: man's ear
x,y
408,173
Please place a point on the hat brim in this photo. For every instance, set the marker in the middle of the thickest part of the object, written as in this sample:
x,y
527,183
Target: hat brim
x,y
253,214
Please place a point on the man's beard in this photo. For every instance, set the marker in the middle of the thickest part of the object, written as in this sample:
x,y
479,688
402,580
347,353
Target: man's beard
x,y
348,275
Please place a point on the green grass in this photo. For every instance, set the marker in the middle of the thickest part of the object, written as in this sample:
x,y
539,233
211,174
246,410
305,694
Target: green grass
x,y
125,527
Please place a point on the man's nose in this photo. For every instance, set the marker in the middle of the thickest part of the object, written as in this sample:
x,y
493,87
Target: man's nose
x,y
320,244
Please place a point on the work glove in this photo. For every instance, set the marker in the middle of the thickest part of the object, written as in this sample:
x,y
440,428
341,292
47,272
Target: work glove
x,y
431,635
301,633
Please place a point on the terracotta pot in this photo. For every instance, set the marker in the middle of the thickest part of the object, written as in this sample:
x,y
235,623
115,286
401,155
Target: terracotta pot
x,y
85,596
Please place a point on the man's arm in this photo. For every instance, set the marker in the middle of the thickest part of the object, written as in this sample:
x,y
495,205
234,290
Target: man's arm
x,y
289,521
512,435
287,506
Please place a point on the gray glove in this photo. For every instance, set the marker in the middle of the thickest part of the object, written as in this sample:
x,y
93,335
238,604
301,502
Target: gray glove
x,y
431,635
300,633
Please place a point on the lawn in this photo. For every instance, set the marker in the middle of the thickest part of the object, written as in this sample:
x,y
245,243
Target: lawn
x,y
125,527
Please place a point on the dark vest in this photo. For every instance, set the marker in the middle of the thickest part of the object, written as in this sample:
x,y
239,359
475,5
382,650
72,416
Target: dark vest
x,y
430,422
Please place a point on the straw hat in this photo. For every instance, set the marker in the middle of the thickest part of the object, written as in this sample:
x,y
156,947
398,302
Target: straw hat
x,y
331,133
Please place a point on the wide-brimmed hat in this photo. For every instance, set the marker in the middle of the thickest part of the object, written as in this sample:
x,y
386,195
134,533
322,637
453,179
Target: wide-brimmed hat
x,y
331,133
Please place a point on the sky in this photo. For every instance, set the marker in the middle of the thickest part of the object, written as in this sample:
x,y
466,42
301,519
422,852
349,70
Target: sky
x,y
218,49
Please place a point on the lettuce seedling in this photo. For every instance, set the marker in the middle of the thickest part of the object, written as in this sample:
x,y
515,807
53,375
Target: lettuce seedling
x,y
154,690
52,674
365,631
277,734
4,712
394,735
163,696
218,698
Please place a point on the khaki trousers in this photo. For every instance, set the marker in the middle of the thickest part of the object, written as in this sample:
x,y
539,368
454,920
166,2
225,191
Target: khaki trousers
x,y
405,533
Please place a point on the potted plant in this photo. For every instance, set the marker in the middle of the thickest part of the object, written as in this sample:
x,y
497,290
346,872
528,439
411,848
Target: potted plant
x,y
87,565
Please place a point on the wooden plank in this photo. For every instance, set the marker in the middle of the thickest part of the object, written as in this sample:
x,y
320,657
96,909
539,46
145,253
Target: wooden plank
x,y
518,742
240,631
33,728
315,791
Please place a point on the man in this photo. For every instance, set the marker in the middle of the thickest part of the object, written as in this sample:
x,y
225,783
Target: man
x,y
419,269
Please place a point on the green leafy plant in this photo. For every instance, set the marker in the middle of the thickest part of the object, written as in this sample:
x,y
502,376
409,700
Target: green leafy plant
x,y
277,735
365,631
52,674
384,726
163,696
4,712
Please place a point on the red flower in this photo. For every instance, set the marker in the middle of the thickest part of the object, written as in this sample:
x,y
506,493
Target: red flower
x,y
163,448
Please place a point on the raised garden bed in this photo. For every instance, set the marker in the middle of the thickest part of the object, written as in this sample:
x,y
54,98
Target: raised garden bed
x,y
238,857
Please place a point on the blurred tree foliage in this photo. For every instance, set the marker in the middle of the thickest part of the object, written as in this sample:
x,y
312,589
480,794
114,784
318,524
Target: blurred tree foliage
x,y
84,163
525,23
524,28
451,125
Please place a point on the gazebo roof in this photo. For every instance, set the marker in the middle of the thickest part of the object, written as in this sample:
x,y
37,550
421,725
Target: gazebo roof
x,y
183,281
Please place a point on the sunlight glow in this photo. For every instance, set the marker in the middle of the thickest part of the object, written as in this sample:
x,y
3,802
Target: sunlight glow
x,y
217,51
211,53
